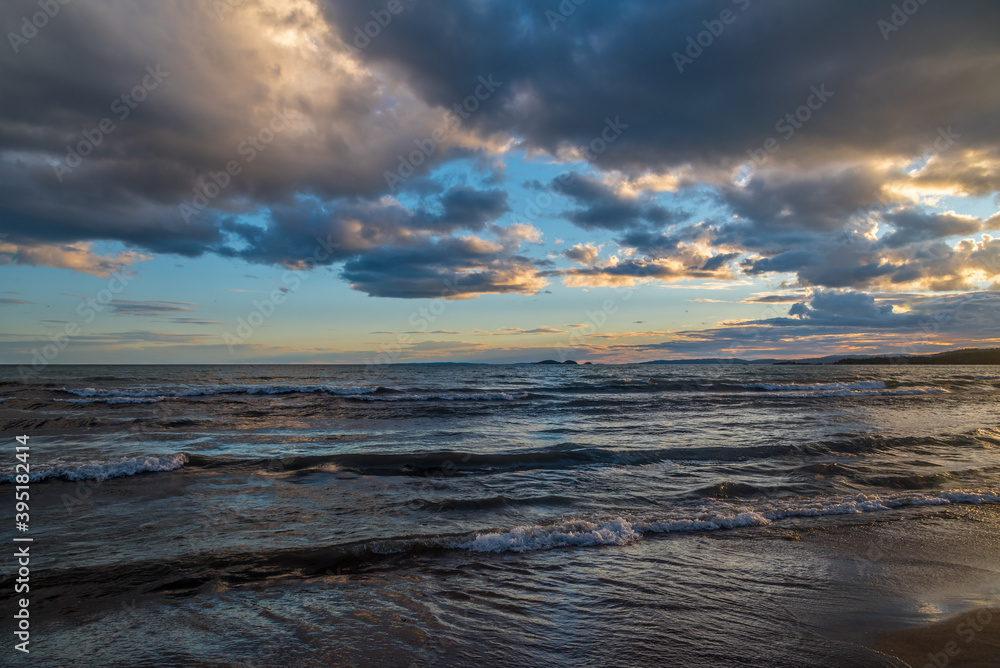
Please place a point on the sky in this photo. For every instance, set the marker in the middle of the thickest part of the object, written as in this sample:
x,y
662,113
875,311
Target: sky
x,y
320,181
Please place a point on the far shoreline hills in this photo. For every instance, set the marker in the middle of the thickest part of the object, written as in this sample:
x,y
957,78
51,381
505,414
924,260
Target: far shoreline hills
x,y
965,356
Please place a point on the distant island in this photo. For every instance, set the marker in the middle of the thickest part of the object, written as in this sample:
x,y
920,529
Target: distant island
x,y
566,362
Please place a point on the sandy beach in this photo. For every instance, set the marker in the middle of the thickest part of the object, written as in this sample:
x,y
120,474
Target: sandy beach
x,y
928,587
967,640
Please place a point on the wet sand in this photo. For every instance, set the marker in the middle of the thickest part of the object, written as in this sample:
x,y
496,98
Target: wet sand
x,y
928,590
967,640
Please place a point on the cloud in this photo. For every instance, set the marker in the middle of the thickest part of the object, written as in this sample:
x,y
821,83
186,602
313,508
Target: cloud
x,y
317,194
913,226
465,207
842,309
197,321
149,308
559,88
343,127
605,208
510,331
582,253
328,232
773,299
78,257
689,263
449,268
831,322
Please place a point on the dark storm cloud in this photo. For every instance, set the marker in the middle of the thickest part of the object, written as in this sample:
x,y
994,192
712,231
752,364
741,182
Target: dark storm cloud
x,y
654,244
328,139
338,121
772,299
887,98
466,208
863,263
616,58
782,209
36,209
841,309
604,208
627,271
911,226
842,266
972,313
330,232
830,321
448,268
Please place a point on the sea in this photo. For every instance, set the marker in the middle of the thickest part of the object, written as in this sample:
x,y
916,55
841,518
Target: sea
x,y
504,515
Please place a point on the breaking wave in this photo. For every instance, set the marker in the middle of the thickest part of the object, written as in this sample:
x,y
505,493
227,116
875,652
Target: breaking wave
x,y
706,517
104,470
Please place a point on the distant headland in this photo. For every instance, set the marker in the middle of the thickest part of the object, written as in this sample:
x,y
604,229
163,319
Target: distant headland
x,y
969,356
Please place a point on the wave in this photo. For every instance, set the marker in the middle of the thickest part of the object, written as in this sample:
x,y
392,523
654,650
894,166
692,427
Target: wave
x,y
740,490
808,387
617,387
429,464
570,455
859,393
667,385
224,389
485,503
119,400
104,470
558,457
707,517
472,396
191,572
89,395
566,455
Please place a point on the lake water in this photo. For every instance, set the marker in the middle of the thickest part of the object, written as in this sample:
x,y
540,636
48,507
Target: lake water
x,y
456,515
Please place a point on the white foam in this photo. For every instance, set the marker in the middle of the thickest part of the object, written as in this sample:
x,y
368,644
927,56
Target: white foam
x,y
118,400
472,396
618,531
96,470
860,393
708,516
